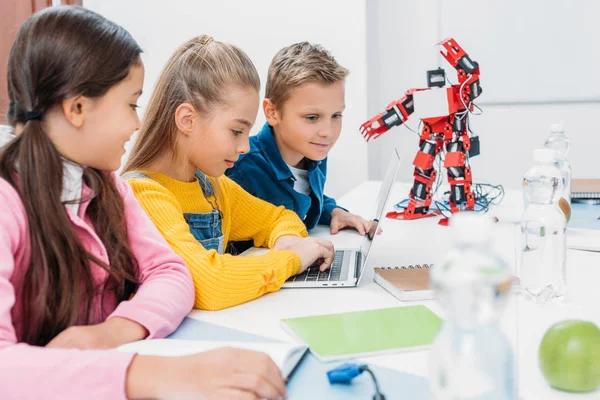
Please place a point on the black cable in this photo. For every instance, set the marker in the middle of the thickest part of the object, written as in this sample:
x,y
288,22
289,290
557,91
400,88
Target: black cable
x,y
443,209
485,195
378,395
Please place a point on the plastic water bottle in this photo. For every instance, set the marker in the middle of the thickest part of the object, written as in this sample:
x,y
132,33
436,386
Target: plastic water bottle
x,y
471,358
561,144
543,232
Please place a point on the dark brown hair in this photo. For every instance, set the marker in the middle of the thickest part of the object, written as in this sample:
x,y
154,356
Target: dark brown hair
x,y
61,52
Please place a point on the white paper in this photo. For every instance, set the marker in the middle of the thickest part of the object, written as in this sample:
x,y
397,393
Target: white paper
x,y
284,355
583,239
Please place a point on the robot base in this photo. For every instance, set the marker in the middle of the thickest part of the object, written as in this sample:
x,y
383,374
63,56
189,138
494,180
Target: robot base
x,y
405,215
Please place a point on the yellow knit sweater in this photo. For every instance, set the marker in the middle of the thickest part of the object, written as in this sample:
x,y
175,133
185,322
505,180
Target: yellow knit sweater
x,y
222,281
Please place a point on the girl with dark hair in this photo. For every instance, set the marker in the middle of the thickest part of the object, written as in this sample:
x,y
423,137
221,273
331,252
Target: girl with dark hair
x,y
82,267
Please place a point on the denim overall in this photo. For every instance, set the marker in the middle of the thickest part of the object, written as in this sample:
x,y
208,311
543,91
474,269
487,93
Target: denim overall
x,y
206,227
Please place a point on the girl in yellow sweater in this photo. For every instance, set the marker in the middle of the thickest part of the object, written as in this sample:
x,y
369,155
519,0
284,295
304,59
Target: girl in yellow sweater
x,y
195,127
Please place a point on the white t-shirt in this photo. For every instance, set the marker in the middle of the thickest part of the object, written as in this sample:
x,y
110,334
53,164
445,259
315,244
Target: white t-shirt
x,y
72,185
6,134
301,185
72,173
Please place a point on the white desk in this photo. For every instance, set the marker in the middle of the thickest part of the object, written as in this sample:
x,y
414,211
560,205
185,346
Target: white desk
x,y
420,241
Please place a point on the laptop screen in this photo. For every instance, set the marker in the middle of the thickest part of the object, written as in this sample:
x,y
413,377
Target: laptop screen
x,y
382,199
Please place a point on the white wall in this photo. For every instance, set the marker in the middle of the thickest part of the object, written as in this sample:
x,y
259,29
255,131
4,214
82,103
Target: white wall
x,y
554,38
399,37
402,35
261,28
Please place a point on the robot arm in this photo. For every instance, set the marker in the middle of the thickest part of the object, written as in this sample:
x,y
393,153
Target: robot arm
x,y
467,69
396,113
457,57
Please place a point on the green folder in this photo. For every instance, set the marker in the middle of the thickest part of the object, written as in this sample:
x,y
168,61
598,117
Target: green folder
x,y
362,333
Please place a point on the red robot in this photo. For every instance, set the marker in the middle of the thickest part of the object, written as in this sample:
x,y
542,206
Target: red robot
x,y
443,111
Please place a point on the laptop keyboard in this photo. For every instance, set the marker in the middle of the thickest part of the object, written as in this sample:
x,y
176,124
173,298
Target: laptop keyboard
x,y
313,274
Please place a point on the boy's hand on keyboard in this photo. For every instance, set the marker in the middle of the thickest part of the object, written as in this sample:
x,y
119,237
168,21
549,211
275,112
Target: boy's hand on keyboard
x,y
341,219
313,250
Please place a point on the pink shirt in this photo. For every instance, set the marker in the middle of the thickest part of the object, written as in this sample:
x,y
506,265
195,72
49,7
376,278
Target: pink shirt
x,y
164,297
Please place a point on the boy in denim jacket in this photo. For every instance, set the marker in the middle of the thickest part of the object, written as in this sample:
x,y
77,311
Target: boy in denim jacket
x,y
287,161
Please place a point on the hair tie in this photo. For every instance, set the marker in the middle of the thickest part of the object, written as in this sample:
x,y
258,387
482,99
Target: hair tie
x,y
33,116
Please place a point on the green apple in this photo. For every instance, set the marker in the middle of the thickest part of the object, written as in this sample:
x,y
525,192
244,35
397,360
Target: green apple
x,y
569,356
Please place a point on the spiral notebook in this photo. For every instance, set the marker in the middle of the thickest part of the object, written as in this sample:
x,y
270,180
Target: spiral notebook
x,y
406,282
585,189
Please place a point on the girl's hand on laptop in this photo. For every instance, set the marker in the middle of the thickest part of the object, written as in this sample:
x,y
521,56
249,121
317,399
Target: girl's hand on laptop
x,y
286,241
341,219
313,250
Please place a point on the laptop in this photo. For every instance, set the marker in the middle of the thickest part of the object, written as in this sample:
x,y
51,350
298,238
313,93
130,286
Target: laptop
x,y
349,264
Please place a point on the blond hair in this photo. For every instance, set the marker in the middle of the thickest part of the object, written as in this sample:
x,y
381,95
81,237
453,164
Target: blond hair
x,y
297,64
197,73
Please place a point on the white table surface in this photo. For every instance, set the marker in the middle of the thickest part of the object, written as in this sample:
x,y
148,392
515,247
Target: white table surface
x,y
423,241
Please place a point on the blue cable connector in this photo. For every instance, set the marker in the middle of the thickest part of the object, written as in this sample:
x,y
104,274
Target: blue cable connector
x,y
346,372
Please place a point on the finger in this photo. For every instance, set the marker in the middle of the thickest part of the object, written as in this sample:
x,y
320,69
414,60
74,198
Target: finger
x,y
324,266
263,365
367,225
325,243
273,376
327,256
370,229
358,225
259,385
335,226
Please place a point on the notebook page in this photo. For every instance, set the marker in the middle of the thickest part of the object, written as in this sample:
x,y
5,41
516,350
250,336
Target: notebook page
x,y
284,355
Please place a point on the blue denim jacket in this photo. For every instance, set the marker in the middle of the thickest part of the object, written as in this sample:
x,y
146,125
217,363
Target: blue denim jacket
x,y
263,173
